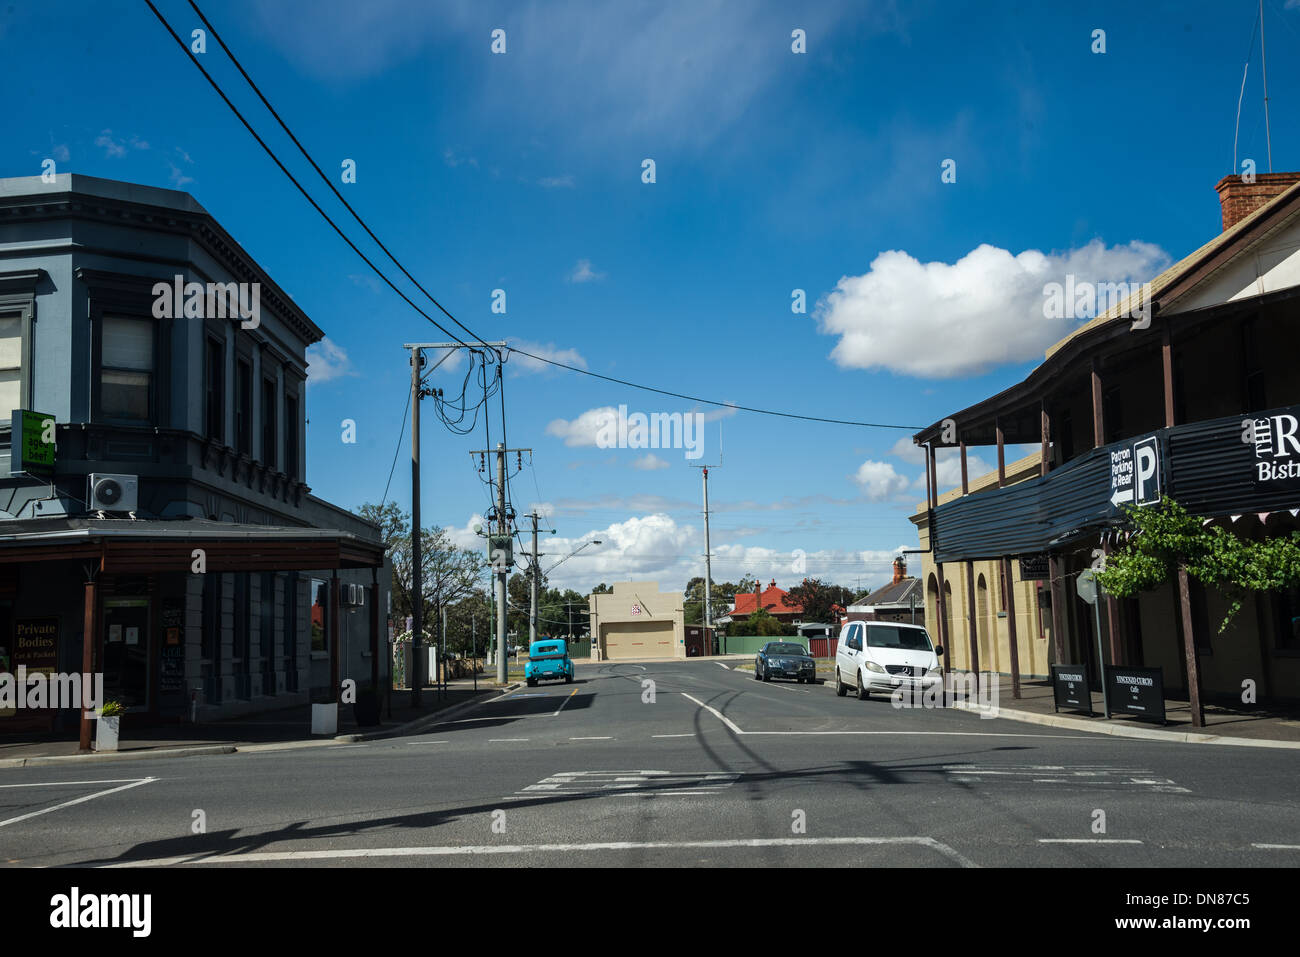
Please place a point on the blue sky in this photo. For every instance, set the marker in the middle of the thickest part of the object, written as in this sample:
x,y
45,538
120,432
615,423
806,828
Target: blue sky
x,y
775,171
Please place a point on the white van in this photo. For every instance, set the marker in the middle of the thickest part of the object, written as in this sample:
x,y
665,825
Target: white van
x,y
884,655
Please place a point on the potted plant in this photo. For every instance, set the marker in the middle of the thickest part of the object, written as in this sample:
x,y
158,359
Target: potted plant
x,y
106,729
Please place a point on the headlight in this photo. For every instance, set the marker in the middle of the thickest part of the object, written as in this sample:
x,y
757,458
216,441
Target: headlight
x,y
878,669
934,673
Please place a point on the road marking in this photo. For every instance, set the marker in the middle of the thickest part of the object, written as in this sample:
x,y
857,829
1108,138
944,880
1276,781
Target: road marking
x,y
492,740
721,665
689,734
594,738
426,742
609,783
1277,847
716,713
469,850
564,702
80,800
1087,840
1090,775
58,784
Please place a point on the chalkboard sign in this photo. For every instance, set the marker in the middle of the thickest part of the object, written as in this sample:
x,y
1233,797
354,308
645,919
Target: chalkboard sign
x,y
1137,691
1034,568
171,671
1070,688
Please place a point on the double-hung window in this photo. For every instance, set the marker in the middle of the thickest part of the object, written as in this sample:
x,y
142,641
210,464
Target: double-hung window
x,y
126,369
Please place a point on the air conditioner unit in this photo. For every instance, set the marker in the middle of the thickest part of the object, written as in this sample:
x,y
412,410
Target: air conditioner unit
x,y
113,493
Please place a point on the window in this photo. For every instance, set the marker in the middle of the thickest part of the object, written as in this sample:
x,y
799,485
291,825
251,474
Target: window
x,y
290,464
126,368
269,409
215,399
11,364
1286,606
320,615
243,407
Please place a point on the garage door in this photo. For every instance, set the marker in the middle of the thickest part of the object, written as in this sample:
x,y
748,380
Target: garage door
x,y
639,640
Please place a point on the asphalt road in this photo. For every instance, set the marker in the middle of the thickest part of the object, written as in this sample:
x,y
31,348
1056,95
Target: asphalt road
x,y
701,766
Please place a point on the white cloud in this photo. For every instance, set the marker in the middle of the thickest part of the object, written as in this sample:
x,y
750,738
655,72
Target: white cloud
x,y
880,481
327,360
556,182
941,320
650,463
61,153
111,147
520,364
582,430
454,158
583,272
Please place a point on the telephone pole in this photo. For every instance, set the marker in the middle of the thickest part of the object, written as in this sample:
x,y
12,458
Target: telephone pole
x,y
535,576
418,392
708,560
501,551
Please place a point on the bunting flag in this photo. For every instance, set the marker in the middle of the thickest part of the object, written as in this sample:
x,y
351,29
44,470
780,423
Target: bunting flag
x,y
1294,511
1234,519
1263,517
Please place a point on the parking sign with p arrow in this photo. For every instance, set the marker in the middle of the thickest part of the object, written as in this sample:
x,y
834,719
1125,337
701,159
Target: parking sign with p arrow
x,y
1135,473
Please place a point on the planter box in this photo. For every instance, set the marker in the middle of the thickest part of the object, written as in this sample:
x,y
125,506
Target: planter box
x,y
325,719
106,733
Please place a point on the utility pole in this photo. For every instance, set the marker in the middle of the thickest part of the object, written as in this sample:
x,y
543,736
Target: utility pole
x,y
417,584
708,558
535,574
501,556
417,568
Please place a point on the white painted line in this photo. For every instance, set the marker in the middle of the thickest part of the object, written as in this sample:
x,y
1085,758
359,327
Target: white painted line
x,y
469,850
1087,840
594,738
492,740
716,713
80,800
426,742
939,734
687,735
721,665
564,702
58,784
344,747
1277,847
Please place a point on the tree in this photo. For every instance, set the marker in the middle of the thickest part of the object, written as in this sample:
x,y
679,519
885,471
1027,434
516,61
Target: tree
x,y
450,572
819,599
1166,536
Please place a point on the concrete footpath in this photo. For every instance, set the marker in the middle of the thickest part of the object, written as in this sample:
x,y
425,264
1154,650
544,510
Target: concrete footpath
x,y
1246,725
267,731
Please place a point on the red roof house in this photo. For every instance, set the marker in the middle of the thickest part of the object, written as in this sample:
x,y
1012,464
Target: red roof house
x,y
769,599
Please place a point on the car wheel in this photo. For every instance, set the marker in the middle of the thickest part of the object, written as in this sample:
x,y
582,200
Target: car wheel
x,y
532,682
840,690
757,676
863,693
568,679
766,676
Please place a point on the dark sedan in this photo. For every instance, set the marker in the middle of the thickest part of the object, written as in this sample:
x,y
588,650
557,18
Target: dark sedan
x,y
785,659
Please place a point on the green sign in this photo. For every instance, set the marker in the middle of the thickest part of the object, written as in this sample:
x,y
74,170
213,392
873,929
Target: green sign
x,y
32,451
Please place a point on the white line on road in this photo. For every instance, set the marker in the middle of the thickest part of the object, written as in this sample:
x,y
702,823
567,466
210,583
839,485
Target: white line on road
x,y
721,665
80,800
492,740
1087,840
57,784
594,738
426,742
336,853
716,713
1277,847
689,734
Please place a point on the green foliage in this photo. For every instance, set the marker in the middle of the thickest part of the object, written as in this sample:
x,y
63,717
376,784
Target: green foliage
x,y
1167,536
112,709
762,624
818,599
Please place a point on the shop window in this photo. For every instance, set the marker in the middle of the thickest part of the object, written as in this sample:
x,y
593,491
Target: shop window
x,y
212,617
320,610
1286,609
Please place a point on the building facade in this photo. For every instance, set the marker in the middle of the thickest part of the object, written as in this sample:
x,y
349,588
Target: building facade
x,y
155,517
1153,398
637,620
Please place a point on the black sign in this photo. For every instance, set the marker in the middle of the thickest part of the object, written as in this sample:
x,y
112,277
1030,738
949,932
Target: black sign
x,y
1138,691
1070,688
171,673
1135,473
1035,568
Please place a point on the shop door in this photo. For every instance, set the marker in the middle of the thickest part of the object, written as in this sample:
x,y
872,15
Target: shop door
x,y
126,652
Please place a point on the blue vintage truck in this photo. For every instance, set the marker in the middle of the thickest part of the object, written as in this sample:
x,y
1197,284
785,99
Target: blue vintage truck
x,y
548,659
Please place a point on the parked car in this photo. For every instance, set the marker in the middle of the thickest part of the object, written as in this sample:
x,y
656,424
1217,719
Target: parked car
x,y
548,660
785,659
883,656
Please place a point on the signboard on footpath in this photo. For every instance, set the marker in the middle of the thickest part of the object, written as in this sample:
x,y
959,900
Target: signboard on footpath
x,y
1137,691
1070,688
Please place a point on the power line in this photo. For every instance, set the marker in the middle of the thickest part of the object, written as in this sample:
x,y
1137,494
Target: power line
x,y
401,433
316,206
418,285
724,405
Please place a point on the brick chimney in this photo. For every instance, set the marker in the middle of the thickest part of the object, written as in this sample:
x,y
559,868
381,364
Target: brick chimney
x,y
900,570
1240,199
